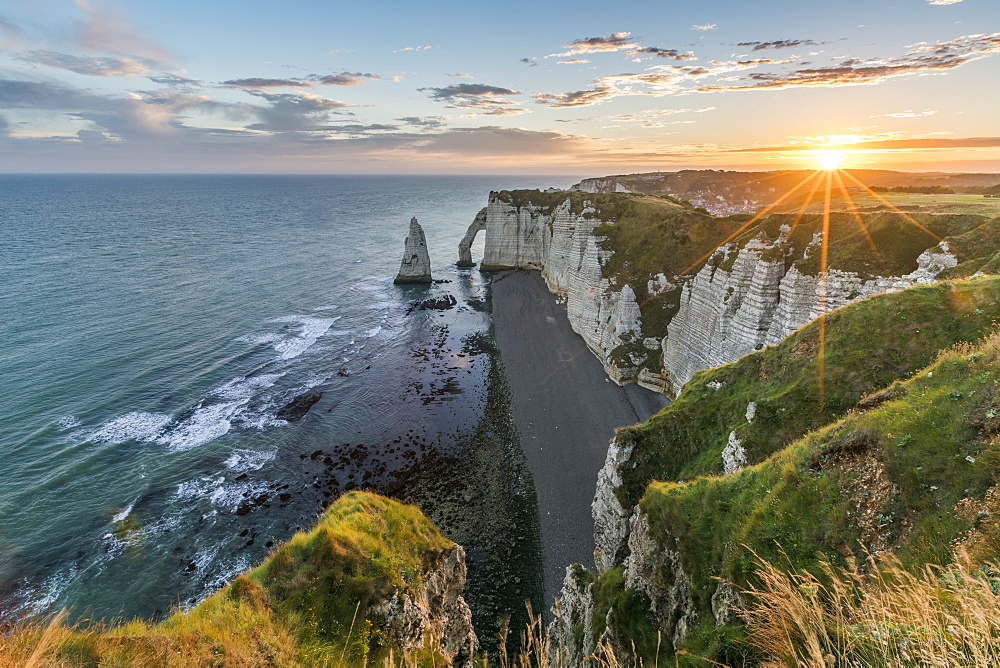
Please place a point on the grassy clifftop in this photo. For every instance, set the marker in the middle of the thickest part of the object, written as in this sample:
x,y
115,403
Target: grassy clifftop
x,y
314,601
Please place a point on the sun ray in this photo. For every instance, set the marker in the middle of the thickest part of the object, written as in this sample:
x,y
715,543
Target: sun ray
x,y
805,206
892,206
744,226
823,262
857,217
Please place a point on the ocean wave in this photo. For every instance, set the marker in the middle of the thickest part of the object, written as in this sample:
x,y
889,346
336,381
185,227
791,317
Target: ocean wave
x,y
243,387
308,332
206,424
240,461
136,426
67,423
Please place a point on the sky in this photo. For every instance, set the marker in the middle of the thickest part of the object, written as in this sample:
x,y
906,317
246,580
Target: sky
x,y
449,87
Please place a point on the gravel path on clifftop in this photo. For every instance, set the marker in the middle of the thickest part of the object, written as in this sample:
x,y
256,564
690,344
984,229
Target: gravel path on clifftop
x,y
566,411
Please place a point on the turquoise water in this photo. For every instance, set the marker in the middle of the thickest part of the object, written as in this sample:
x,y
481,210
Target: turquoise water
x,y
153,326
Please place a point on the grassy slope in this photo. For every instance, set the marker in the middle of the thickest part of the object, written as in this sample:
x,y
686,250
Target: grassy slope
x,y
933,446
305,605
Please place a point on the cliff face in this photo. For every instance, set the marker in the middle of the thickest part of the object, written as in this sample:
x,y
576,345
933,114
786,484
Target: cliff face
x,y
624,264
562,244
725,314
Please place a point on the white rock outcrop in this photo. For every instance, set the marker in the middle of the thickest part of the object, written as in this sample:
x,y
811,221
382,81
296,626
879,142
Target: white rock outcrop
x,y
656,570
437,612
725,314
416,264
572,626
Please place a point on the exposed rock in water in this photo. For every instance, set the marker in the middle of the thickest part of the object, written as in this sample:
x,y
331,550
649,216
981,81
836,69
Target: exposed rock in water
x,y
439,303
416,264
465,245
299,406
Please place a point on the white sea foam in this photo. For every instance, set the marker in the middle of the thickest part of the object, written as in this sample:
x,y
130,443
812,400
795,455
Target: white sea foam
x,y
132,426
330,307
258,339
248,460
126,511
373,332
207,423
49,591
308,331
196,489
229,496
242,387
67,423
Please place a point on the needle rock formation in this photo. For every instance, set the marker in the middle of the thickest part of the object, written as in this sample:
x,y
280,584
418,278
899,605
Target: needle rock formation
x,y
416,264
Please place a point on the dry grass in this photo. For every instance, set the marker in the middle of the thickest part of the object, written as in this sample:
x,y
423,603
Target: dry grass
x,y
887,617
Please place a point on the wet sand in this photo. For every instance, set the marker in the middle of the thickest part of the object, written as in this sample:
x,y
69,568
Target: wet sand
x,y
565,410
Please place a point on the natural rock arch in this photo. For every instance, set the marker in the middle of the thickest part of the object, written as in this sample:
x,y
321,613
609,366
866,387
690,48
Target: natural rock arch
x,y
465,245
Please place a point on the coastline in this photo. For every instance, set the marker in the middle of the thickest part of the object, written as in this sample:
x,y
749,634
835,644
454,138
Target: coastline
x,y
566,411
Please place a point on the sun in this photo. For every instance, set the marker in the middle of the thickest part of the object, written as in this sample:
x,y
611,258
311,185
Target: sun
x,y
830,159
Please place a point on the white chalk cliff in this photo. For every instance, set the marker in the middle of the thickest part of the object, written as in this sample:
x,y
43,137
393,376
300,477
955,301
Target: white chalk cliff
x,y
562,244
723,313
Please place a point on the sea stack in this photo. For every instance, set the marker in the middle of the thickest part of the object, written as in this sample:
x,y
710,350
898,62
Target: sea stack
x,y
416,264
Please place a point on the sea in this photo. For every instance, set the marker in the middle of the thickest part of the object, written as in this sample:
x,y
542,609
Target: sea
x,y
155,333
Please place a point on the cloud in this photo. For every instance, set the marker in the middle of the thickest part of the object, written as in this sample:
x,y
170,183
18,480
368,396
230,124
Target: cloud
x,y
657,81
422,47
943,2
424,122
257,82
673,54
616,41
926,143
780,44
108,66
485,99
293,112
459,75
707,26
573,61
923,58
906,114
107,30
579,98
530,62
342,79
169,79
